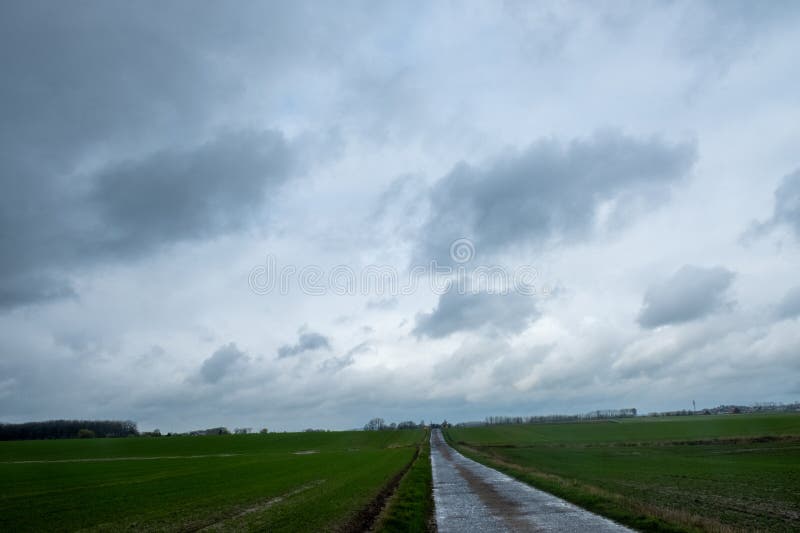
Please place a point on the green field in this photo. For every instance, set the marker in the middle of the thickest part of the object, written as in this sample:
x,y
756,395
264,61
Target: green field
x,y
276,482
702,473
411,508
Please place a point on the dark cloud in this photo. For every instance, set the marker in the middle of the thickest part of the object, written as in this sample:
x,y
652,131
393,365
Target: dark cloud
x,y
76,77
550,191
190,194
789,306
510,313
691,293
132,208
306,341
221,362
23,290
787,207
104,84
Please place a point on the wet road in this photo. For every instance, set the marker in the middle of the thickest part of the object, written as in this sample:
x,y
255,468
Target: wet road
x,y
472,497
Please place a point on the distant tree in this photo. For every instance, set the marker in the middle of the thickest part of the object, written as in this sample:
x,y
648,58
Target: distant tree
x,y
85,434
264,431
66,429
375,424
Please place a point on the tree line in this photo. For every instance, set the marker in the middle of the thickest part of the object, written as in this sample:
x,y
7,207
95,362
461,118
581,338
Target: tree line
x,y
379,424
602,414
68,429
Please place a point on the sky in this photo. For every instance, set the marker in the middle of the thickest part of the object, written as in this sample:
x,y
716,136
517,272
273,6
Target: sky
x,y
308,214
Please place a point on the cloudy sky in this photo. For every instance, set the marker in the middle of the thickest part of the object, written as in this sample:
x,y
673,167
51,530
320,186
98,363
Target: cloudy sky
x,y
283,214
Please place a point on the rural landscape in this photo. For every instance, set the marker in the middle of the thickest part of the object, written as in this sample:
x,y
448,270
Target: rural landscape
x,y
452,266
691,472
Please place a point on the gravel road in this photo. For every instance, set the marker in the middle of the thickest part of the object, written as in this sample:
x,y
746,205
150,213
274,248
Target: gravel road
x,y
472,497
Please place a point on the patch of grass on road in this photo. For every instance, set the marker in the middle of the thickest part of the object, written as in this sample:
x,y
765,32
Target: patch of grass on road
x,y
411,508
704,473
248,482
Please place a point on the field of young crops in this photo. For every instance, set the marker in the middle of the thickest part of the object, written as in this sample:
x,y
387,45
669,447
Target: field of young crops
x,y
712,473
277,482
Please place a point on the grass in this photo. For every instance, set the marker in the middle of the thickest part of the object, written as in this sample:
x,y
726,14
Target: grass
x,y
411,508
252,482
704,473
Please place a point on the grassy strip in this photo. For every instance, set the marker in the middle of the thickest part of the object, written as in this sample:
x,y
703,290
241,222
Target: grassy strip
x,y
367,517
411,508
616,507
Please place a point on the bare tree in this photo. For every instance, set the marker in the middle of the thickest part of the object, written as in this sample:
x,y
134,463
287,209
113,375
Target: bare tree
x,y
375,424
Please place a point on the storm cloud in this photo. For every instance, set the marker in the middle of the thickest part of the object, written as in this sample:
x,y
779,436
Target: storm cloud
x,y
179,195
24,290
221,362
689,294
551,191
134,207
109,144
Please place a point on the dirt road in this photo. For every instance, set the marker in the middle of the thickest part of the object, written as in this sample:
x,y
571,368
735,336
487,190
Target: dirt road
x,y
472,497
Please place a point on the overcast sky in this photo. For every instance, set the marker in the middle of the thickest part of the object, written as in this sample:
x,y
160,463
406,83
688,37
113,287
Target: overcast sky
x,y
636,164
